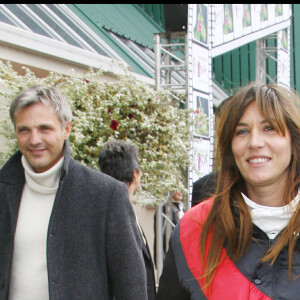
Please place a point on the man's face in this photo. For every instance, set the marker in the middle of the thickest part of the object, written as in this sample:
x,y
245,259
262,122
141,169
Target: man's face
x,y
40,136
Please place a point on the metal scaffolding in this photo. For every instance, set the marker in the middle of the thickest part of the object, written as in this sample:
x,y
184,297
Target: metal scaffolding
x,y
170,72
170,61
263,52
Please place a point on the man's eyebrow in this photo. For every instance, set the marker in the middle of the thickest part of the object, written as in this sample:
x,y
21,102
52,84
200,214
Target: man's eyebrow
x,y
21,126
39,126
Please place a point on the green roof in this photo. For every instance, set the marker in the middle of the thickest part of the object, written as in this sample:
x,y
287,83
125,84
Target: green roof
x,y
128,21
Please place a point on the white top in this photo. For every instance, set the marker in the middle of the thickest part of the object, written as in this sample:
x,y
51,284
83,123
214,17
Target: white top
x,y
29,278
270,219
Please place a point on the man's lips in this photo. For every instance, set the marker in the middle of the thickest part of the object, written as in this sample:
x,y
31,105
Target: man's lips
x,y
36,151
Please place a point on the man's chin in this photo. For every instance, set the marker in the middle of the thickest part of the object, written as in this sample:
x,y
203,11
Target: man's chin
x,y
37,164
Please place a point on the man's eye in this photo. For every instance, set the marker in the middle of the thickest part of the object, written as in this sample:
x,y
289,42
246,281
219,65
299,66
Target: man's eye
x,y
21,130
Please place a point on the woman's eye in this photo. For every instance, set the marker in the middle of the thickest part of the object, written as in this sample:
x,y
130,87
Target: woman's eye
x,y
269,128
241,131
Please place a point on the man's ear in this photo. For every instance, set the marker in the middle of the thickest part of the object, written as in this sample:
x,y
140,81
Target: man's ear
x,y
67,130
134,175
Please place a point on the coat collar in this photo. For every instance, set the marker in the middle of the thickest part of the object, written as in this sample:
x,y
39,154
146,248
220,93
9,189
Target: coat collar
x,y
12,172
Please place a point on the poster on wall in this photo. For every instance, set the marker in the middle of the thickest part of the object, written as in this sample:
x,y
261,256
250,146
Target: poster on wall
x,y
228,23
238,14
201,158
247,20
283,59
202,117
200,24
200,62
283,72
278,12
264,15
218,17
244,23
283,39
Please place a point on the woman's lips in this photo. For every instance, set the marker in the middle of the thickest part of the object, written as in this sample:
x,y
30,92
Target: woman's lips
x,y
258,160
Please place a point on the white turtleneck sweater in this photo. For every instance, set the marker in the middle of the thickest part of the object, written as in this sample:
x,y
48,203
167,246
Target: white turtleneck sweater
x,y
29,278
270,219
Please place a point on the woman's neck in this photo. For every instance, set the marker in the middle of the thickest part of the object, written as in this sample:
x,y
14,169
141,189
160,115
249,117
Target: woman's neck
x,y
267,195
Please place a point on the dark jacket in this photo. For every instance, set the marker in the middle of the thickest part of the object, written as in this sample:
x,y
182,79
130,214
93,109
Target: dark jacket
x,y
93,243
204,187
151,286
244,279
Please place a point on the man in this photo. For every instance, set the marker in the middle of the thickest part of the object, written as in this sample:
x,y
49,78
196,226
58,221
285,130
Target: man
x,y
119,159
66,231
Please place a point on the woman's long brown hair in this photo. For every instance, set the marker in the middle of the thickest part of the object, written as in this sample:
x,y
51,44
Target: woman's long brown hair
x,y
229,218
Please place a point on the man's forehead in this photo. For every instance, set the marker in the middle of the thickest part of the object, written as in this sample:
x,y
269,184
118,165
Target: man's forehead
x,y
37,113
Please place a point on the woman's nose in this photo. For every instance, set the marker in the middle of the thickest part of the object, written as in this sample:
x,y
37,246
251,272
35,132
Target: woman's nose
x,y
256,139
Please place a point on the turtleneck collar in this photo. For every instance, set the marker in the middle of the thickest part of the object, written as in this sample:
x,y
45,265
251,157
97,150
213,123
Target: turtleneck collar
x,y
46,182
271,219
291,206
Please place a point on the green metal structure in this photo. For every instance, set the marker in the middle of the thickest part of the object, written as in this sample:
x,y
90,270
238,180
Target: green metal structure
x,y
139,23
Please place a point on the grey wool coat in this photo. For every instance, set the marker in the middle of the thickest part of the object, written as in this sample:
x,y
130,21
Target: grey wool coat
x,y
93,243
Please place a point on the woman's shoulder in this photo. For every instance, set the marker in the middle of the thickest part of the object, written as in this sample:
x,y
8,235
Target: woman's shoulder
x,y
200,210
195,217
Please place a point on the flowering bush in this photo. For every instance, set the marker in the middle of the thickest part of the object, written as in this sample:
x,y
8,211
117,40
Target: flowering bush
x,y
125,109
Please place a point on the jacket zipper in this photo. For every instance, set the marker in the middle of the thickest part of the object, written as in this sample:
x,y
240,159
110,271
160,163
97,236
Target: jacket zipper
x,y
271,241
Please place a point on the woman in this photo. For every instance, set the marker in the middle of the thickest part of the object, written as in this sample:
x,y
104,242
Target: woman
x,y
243,243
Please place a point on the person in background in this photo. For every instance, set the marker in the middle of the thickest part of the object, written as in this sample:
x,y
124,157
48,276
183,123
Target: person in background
x,y
119,159
177,208
206,186
244,242
66,231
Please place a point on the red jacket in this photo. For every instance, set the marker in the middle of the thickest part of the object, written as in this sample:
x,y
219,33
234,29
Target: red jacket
x,y
245,279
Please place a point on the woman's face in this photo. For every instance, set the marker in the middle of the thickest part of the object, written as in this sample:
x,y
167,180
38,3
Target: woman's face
x,y
261,154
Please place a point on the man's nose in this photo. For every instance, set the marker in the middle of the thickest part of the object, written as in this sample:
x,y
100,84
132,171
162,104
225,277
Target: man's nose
x,y
35,137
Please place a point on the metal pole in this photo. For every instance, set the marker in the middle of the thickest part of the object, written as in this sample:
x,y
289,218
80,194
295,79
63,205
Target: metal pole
x,y
159,220
260,61
169,227
168,71
159,240
157,55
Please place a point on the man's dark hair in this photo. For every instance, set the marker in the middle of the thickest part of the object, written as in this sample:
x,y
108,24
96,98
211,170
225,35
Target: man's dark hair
x,y
119,159
218,110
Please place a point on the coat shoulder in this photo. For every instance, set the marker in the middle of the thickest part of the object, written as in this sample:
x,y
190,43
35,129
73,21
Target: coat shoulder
x,y
86,176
